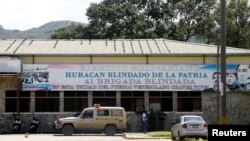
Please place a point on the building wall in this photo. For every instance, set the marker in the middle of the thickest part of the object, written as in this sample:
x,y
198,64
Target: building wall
x,y
238,60
131,60
6,83
175,60
26,59
119,60
237,103
237,111
55,60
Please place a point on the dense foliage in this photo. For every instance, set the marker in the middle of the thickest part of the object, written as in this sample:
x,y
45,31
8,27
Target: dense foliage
x,y
183,20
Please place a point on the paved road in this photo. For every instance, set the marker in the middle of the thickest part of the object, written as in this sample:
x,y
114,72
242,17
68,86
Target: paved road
x,y
78,137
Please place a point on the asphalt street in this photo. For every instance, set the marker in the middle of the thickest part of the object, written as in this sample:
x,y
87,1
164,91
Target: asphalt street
x,y
77,137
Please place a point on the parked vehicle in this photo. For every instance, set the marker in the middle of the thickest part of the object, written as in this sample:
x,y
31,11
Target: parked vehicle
x,y
189,126
16,124
104,119
34,124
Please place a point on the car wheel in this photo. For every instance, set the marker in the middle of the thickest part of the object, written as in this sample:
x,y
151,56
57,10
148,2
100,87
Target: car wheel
x,y
110,130
180,138
68,130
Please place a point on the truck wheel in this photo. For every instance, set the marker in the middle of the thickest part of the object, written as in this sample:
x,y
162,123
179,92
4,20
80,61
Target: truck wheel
x,y
110,130
67,130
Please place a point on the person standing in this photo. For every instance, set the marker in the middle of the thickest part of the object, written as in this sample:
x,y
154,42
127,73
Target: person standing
x,y
151,120
144,121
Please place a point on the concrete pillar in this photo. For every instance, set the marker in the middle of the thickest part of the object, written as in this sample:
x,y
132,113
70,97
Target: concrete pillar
x,y
90,99
175,101
146,100
32,102
61,101
118,98
2,100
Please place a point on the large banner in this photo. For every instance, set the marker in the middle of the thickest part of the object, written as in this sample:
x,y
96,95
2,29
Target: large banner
x,y
130,77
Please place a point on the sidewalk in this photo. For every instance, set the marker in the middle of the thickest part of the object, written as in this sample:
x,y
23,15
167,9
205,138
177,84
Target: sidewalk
x,y
139,136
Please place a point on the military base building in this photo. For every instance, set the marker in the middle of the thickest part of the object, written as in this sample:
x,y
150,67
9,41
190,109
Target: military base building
x,y
56,78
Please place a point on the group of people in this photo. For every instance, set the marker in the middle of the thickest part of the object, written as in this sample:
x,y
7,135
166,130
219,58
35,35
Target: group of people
x,y
150,121
17,124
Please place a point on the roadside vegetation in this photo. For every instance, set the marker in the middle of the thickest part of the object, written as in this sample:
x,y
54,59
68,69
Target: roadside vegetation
x,y
159,134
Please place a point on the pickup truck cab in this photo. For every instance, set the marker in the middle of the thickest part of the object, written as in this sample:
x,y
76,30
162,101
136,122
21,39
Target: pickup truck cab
x,y
104,119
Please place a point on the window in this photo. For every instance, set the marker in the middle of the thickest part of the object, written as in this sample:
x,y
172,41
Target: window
x,y
102,112
192,119
88,114
116,112
188,101
11,100
47,101
132,100
75,101
104,98
161,100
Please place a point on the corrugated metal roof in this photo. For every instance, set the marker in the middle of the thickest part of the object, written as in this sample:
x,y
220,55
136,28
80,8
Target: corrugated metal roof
x,y
110,47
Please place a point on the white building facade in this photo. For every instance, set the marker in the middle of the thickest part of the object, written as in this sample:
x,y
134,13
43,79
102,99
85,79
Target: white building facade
x,y
65,76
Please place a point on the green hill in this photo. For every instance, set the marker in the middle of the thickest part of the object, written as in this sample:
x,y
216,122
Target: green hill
x,y
42,32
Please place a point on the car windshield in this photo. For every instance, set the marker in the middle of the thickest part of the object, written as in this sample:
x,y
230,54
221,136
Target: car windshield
x,y
192,119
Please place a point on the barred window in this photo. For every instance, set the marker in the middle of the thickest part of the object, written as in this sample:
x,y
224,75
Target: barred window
x,y
75,101
188,101
11,101
47,101
104,98
162,99
132,100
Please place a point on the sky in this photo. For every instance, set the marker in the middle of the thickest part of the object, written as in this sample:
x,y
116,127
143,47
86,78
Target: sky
x,y
26,14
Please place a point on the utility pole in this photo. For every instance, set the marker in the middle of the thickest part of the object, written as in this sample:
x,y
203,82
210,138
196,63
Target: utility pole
x,y
223,118
218,79
18,94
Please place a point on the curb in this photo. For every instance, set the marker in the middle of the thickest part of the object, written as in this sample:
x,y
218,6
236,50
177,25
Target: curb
x,y
140,136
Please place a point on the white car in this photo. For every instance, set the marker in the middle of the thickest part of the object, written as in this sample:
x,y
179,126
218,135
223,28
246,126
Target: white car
x,y
190,126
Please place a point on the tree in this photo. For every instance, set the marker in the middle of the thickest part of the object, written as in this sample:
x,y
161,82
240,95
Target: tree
x,y
238,24
74,31
194,19
119,19
172,19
